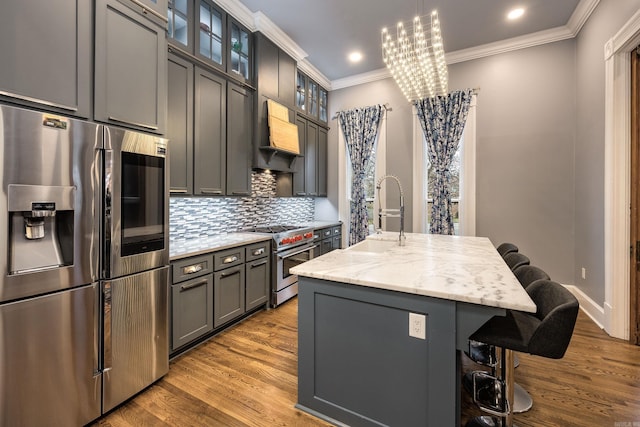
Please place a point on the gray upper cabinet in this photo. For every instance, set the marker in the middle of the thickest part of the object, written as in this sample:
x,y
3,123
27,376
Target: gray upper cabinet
x,y
52,43
180,23
155,8
311,159
209,134
130,68
180,125
211,30
322,161
239,139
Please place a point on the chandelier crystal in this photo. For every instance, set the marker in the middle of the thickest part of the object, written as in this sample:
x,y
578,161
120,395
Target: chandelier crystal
x,y
417,61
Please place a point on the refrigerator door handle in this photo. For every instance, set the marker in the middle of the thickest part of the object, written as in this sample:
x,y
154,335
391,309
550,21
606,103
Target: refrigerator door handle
x,y
97,346
107,356
108,206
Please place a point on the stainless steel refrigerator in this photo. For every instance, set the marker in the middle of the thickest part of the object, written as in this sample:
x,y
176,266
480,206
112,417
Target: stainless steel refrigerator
x,y
83,281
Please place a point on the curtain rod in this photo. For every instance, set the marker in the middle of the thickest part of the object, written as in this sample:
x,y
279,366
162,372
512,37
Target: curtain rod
x,y
385,106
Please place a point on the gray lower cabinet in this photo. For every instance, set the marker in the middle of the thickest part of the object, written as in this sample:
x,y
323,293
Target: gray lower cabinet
x,y
191,300
258,274
328,239
211,291
209,160
46,55
228,286
130,68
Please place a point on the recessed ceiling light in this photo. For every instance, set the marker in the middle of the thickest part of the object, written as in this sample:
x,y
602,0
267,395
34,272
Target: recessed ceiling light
x,y
355,57
515,13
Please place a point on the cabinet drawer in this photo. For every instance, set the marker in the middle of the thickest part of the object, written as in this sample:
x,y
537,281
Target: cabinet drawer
x,y
336,230
258,250
192,267
325,232
228,258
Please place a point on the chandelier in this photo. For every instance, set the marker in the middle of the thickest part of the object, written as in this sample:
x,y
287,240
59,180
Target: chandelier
x,y
416,61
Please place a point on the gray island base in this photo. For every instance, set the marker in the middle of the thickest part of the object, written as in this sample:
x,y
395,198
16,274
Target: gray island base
x,y
370,354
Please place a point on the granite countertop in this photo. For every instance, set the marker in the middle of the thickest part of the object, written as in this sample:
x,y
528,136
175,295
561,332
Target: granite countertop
x,y
192,247
466,269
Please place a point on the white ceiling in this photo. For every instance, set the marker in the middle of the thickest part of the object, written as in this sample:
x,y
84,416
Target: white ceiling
x,y
327,30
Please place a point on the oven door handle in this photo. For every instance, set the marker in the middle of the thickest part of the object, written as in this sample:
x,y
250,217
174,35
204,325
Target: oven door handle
x,y
288,254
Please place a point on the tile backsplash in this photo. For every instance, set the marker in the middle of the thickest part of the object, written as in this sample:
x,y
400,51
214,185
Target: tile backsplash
x,y
193,217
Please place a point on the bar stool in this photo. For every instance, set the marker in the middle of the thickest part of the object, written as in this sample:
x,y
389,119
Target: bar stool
x,y
506,248
546,333
515,260
527,274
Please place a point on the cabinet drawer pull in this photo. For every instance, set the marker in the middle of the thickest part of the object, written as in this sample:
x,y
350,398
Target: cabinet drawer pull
x,y
230,272
257,252
178,191
142,125
191,269
240,193
214,192
230,259
327,233
193,285
259,263
301,193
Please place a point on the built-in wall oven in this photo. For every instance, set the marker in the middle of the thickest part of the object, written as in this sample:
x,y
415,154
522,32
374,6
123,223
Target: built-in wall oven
x,y
286,283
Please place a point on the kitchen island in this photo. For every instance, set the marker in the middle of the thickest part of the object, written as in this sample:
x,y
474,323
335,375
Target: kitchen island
x,y
379,325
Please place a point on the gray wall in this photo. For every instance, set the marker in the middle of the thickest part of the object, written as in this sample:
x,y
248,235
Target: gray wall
x,y
525,144
603,24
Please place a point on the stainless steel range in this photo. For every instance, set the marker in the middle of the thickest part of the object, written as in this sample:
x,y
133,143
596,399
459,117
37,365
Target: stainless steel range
x,y
292,245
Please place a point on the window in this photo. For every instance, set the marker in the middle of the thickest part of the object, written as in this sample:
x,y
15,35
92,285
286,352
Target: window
x,y
463,179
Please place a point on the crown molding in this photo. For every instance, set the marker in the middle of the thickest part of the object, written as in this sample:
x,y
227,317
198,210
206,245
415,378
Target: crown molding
x,y
310,70
280,38
509,45
369,77
260,22
239,11
580,15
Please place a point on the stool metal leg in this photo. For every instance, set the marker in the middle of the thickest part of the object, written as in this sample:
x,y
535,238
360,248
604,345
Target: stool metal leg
x,y
507,369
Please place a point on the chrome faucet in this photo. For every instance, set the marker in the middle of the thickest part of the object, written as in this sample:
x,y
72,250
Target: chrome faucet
x,y
391,212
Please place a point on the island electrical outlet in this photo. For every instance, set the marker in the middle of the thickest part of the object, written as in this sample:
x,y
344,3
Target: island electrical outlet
x,y
418,326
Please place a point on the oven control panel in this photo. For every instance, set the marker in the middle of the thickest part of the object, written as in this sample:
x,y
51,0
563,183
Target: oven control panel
x,y
295,238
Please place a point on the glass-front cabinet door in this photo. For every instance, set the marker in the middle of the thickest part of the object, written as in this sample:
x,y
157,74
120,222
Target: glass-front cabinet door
x,y
301,90
178,28
239,51
210,33
324,103
313,98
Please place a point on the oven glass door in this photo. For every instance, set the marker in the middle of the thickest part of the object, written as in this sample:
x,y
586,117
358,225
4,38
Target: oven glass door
x,y
294,257
142,203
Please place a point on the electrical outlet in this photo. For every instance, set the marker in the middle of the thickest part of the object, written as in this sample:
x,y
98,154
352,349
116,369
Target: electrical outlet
x,y
418,326
584,273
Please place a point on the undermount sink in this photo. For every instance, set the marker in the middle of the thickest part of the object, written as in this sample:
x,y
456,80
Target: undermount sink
x,y
375,246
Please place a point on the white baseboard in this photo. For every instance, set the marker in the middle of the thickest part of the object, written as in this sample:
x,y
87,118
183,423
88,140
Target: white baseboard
x,y
588,306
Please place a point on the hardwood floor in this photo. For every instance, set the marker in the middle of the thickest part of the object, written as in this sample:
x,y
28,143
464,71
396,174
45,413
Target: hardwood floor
x,y
247,376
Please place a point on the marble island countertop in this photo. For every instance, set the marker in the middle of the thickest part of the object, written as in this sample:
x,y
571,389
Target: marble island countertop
x,y
466,269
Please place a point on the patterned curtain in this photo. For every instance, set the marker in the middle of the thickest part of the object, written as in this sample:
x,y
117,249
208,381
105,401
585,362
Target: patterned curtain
x,y
360,129
442,119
